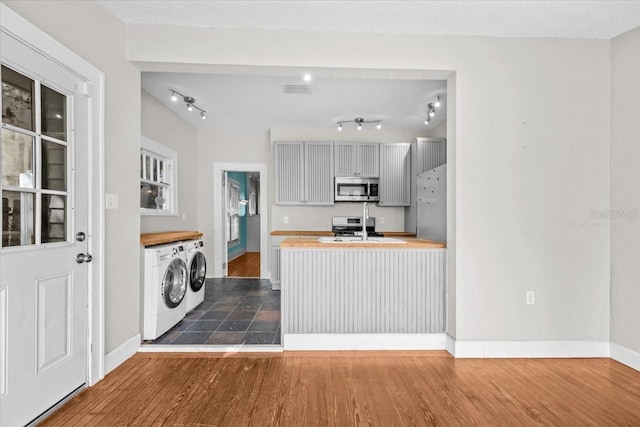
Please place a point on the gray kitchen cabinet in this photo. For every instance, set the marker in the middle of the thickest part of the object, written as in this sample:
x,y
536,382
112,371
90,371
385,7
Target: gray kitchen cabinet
x,y
395,174
429,153
318,173
304,173
357,159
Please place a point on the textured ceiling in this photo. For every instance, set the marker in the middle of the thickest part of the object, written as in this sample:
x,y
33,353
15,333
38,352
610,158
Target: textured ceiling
x,y
566,19
258,101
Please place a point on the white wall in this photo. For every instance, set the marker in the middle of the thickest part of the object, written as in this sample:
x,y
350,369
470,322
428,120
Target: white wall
x,y
528,170
625,190
243,146
165,127
96,35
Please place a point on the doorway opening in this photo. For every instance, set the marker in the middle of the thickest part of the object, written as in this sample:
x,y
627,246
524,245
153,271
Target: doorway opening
x,y
242,216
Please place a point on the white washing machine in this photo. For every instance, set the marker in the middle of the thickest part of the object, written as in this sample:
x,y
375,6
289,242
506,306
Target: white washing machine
x,y
165,288
197,268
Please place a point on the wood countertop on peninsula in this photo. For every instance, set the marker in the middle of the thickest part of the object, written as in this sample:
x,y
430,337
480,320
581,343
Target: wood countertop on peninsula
x,y
300,233
151,239
307,243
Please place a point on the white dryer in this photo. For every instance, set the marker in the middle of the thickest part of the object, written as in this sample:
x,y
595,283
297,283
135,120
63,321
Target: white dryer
x,y
197,268
165,288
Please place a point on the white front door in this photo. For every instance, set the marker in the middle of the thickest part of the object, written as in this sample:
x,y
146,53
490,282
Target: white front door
x,y
44,258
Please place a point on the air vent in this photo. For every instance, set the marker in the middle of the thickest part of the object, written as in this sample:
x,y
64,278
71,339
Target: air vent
x,y
298,89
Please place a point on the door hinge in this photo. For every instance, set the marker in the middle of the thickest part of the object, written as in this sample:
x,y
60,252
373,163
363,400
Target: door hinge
x,y
224,265
87,89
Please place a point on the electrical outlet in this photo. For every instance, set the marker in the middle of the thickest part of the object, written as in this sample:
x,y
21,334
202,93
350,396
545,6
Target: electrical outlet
x,y
285,219
381,220
531,297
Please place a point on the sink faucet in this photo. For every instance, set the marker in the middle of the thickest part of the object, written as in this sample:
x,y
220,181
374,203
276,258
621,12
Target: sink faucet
x,y
365,217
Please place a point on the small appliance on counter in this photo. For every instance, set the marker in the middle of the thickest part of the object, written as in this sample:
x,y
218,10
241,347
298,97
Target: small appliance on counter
x,y
344,226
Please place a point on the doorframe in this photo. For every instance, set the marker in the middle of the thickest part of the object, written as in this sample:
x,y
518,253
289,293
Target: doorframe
x,y
218,220
14,25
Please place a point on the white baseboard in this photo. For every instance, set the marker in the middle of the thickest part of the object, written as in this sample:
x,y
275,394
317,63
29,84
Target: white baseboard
x,y
530,349
451,345
625,356
127,349
364,341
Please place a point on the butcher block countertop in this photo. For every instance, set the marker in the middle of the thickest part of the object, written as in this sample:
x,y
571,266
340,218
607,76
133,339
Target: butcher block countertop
x,y
151,239
307,243
300,233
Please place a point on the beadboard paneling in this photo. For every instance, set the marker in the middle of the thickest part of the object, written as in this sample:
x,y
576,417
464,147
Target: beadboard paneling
x,y
363,291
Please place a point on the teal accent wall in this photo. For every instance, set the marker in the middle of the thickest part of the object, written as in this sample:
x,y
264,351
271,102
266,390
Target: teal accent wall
x,y
241,246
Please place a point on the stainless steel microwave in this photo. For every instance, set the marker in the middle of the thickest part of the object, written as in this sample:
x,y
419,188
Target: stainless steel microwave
x,y
351,189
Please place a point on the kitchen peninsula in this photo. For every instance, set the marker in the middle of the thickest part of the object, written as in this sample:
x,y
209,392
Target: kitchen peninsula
x,y
363,295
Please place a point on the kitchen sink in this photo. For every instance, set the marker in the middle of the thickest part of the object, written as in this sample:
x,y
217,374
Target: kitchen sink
x,y
359,240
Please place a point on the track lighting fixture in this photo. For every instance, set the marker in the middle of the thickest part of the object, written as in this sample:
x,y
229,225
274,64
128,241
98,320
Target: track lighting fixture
x,y
190,101
359,121
437,103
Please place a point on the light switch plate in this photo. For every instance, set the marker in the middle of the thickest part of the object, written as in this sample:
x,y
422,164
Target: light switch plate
x,y
111,201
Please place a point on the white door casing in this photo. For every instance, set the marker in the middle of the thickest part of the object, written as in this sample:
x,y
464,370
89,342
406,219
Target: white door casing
x,y
219,222
50,305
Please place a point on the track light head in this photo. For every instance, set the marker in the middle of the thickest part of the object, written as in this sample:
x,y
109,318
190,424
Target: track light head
x,y
174,98
432,112
339,126
379,125
203,116
189,107
437,103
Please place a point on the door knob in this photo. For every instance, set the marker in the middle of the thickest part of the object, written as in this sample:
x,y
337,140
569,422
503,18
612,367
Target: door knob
x,y
80,258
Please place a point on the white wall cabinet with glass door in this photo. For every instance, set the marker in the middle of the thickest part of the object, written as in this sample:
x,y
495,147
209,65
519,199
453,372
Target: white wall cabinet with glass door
x,y
360,159
158,179
304,173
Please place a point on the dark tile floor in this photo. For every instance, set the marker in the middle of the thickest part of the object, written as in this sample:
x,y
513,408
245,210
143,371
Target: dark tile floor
x,y
234,311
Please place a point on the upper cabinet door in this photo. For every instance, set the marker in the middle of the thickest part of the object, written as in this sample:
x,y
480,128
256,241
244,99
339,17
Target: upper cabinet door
x,y
318,178
345,159
357,159
395,174
289,163
368,160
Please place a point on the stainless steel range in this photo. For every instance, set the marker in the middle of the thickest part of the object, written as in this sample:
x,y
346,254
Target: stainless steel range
x,y
343,226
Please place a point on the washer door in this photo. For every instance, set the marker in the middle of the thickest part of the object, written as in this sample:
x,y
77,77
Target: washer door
x,y
174,283
197,271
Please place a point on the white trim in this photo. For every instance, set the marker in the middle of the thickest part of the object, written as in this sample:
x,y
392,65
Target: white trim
x,y
451,345
625,355
16,26
530,349
364,342
219,223
124,351
157,348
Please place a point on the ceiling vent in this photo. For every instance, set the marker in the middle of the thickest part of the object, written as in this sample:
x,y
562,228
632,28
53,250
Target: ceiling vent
x,y
298,89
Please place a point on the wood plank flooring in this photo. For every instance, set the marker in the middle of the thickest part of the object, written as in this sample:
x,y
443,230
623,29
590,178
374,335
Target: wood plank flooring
x,y
356,388
246,265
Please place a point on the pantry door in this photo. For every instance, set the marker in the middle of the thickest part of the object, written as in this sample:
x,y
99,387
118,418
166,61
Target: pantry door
x,y
45,258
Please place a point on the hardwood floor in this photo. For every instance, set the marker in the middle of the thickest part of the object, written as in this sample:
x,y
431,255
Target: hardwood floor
x,y
355,388
246,265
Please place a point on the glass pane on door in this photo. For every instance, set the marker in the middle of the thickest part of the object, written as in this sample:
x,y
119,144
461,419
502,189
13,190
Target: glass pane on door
x,y
18,218
53,113
54,166
17,159
17,99
54,218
